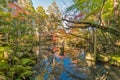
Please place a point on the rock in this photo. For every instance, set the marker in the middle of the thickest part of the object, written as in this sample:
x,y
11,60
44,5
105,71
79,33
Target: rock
x,y
103,58
115,63
90,63
90,56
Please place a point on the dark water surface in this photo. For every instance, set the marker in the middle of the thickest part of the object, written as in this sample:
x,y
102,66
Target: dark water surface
x,y
64,69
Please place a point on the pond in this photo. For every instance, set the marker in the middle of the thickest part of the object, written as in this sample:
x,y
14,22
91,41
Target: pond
x,y
55,68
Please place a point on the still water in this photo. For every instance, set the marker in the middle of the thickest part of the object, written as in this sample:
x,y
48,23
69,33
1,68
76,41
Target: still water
x,y
55,68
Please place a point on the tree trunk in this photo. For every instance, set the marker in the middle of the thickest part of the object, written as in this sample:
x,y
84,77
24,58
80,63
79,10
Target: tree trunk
x,y
116,11
94,39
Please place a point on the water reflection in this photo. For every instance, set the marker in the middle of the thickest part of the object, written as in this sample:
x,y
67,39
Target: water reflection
x,y
64,69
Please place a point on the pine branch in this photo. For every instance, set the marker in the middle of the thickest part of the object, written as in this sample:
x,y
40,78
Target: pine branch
x,y
88,24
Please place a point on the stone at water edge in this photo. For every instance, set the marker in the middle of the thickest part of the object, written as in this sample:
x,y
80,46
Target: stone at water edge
x,y
90,56
90,63
104,58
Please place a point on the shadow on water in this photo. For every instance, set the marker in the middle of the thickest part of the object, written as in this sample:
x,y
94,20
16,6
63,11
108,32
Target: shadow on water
x,y
55,68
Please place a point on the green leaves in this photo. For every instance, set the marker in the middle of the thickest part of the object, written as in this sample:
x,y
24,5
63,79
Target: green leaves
x,y
93,7
20,39
3,66
4,14
4,18
25,61
3,3
41,13
22,71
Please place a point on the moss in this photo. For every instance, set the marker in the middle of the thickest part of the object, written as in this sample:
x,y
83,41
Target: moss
x,y
103,58
2,48
1,55
115,57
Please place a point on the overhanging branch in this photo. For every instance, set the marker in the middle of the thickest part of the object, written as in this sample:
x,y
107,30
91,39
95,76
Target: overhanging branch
x,y
78,36
76,22
104,28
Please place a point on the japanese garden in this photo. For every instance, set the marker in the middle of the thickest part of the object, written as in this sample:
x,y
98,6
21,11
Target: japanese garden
x,y
81,42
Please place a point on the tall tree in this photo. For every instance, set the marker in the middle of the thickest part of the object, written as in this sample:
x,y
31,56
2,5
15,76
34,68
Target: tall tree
x,y
54,15
116,11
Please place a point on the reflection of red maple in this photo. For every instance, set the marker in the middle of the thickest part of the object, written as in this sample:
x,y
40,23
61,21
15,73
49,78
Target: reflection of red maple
x,y
54,38
58,52
55,48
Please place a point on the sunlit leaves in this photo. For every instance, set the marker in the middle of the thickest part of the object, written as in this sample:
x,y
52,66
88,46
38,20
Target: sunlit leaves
x,y
108,9
92,8
29,9
53,10
41,12
4,14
